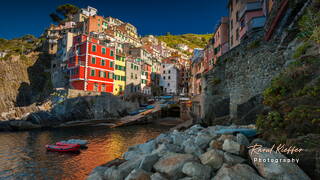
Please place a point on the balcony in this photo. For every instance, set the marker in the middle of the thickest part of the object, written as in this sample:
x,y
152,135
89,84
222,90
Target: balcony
x,y
256,22
250,7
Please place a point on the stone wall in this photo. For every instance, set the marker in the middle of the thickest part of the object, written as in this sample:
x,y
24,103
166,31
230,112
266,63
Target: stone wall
x,y
233,88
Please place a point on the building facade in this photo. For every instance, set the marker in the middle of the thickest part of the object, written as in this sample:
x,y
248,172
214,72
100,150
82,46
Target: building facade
x,y
133,76
169,79
91,67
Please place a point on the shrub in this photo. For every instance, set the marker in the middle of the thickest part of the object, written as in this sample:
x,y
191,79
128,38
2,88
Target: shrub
x,y
301,50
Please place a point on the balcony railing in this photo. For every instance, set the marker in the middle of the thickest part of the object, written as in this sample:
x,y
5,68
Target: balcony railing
x,y
256,22
250,7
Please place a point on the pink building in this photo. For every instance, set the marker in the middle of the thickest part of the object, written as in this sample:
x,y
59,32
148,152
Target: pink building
x,y
244,16
220,39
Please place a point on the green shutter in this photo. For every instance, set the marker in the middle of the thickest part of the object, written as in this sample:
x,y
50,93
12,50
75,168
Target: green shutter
x,y
111,53
94,48
103,50
93,60
111,63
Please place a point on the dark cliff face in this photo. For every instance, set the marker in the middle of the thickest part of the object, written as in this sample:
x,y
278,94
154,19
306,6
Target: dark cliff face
x,y
24,78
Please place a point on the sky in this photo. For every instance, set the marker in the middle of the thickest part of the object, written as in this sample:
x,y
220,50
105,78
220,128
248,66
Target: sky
x,y
157,17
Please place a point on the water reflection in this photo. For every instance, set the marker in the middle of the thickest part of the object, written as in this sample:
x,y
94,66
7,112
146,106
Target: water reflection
x,y
23,156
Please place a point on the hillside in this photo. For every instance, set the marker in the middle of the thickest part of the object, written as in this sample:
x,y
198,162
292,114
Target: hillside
x,y
191,40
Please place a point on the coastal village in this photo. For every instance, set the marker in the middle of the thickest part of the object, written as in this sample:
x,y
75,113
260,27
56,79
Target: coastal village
x,y
243,106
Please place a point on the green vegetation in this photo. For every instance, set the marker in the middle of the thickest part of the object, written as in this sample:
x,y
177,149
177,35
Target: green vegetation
x,y
214,81
309,24
64,13
19,46
301,50
191,40
294,97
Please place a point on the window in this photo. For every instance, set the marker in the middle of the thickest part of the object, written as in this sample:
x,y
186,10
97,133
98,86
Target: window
x,y
103,87
136,76
93,72
131,76
111,64
164,72
164,77
168,84
94,48
237,34
96,86
103,62
169,71
104,74
132,66
169,77
110,75
111,53
123,78
103,50
101,73
93,60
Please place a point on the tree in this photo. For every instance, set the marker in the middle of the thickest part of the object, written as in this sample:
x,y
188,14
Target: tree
x,y
66,11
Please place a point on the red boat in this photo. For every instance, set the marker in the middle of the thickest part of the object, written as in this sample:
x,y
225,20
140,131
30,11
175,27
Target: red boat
x,y
63,148
65,144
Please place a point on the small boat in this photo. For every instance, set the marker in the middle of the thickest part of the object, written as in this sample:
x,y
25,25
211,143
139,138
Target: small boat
x,y
64,148
147,112
150,107
81,143
65,144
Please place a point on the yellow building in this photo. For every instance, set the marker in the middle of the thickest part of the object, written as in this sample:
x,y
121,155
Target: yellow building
x,y
119,74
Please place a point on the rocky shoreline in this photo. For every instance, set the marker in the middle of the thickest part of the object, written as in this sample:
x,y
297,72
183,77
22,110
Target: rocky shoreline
x,y
200,153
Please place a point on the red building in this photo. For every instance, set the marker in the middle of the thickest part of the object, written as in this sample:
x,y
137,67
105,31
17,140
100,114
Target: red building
x,y
91,67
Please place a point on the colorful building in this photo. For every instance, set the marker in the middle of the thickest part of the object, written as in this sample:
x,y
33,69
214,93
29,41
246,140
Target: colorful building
x,y
119,73
91,67
133,76
220,39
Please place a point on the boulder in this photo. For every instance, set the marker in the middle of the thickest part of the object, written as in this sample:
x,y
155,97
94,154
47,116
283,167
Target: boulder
x,y
215,144
232,147
165,148
138,174
232,159
270,169
148,161
133,154
227,136
157,176
178,138
148,147
122,170
212,158
202,140
242,139
192,148
236,172
261,142
164,138
172,164
95,176
197,170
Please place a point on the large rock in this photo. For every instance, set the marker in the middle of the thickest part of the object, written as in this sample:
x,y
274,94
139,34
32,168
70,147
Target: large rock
x,y
261,142
148,161
95,176
158,176
178,138
276,170
147,147
197,170
232,159
138,174
215,144
212,158
165,148
237,172
133,154
242,139
202,140
172,164
191,147
232,147
122,171
164,138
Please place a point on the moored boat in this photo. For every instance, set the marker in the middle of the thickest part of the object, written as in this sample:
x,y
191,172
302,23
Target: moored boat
x,y
64,148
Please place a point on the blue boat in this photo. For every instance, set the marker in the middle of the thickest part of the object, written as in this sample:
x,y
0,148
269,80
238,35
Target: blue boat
x,y
150,107
143,105
244,131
